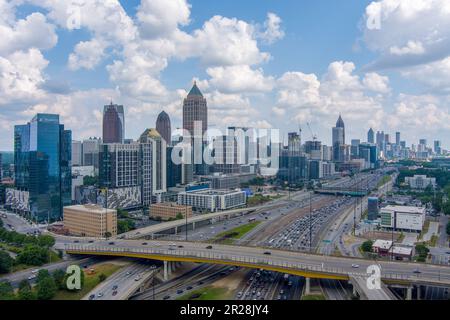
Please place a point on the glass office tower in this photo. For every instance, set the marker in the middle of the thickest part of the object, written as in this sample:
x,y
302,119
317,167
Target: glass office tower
x,y
42,155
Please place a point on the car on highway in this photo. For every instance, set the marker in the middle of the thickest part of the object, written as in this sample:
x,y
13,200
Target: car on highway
x,y
209,247
144,243
76,241
180,246
267,253
92,297
33,276
114,288
137,278
189,288
355,266
100,294
111,243
166,298
114,293
179,291
417,271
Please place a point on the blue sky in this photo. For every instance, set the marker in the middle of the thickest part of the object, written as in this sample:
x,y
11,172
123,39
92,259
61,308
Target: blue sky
x,y
271,63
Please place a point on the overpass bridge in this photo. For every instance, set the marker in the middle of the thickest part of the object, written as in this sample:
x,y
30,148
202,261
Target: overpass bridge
x,y
296,263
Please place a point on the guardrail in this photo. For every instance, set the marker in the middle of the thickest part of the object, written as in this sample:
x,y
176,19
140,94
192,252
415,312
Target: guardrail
x,y
257,262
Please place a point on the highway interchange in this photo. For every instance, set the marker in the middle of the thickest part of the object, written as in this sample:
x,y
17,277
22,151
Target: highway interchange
x,y
283,227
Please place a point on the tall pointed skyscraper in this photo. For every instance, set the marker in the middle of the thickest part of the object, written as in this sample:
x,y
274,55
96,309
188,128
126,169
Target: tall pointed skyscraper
x,y
195,113
195,108
164,128
338,139
371,136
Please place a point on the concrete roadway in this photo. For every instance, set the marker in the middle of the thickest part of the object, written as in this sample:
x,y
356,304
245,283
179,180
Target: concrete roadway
x,y
17,277
286,259
122,284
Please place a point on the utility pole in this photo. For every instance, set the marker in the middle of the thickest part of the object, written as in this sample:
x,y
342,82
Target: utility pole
x,y
310,222
186,227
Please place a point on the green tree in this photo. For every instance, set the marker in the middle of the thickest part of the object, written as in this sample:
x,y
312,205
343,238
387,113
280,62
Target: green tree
x,y
33,255
448,228
101,277
179,216
90,181
46,241
6,262
25,291
1,223
446,208
46,286
366,246
6,291
59,276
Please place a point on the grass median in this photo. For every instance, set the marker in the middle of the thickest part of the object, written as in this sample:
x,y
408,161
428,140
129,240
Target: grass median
x,y
230,236
208,293
91,280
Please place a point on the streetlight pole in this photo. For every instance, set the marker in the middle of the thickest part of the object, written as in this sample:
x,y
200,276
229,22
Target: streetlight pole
x,y
186,227
310,222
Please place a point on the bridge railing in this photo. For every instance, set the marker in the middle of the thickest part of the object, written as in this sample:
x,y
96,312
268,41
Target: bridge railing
x,y
256,261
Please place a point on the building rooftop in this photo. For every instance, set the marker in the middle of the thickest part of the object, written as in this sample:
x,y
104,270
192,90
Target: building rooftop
x,y
405,209
91,208
382,244
195,91
401,250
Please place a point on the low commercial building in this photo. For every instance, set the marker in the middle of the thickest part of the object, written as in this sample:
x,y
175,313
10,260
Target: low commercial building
x,y
169,211
90,221
401,252
403,218
420,182
382,247
212,200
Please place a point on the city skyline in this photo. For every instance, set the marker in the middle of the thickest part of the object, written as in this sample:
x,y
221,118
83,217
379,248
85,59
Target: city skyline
x,y
283,77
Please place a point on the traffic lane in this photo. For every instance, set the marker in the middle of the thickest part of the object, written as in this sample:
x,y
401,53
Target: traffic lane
x,y
18,277
120,283
344,265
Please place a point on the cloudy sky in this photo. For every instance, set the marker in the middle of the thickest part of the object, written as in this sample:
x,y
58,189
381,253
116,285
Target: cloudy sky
x,y
261,63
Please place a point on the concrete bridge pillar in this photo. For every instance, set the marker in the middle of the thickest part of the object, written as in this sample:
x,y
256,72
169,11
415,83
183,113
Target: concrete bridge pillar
x,y
166,272
176,230
307,286
409,293
193,226
355,293
418,292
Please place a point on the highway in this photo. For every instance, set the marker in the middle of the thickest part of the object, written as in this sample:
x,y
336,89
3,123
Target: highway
x,y
122,284
303,264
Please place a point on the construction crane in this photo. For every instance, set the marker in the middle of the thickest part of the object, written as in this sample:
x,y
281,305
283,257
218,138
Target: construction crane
x,y
314,137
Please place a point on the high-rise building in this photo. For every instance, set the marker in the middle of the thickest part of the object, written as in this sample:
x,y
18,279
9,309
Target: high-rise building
x,y
437,147
77,153
338,139
113,124
154,146
354,149
195,114
42,156
163,127
397,138
91,149
195,109
371,136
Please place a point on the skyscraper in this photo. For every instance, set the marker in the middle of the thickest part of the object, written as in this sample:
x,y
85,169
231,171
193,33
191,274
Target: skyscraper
x,y
195,108
113,124
42,156
397,138
163,127
371,136
437,147
338,139
77,153
195,113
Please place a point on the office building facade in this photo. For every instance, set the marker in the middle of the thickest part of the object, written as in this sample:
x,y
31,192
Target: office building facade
x,y
113,124
42,157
